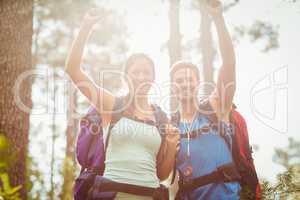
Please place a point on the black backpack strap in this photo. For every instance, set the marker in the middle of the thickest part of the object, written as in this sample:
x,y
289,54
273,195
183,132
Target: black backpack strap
x,y
224,173
175,120
161,119
117,114
104,188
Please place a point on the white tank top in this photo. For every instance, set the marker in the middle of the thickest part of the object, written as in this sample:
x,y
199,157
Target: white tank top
x,y
131,155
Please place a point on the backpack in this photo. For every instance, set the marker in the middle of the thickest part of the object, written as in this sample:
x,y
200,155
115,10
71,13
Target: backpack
x,y
241,149
91,145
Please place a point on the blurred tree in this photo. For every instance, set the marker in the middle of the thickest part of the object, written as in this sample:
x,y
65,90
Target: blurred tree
x,y
259,30
34,177
15,59
207,49
6,190
289,156
287,185
174,43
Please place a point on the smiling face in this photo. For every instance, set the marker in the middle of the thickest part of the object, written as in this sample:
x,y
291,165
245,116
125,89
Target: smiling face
x,y
185,79
140,73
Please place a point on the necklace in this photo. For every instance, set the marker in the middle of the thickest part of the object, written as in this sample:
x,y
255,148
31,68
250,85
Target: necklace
x,y
188,129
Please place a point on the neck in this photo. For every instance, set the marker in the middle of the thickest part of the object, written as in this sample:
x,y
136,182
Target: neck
x,y
140,103
188,109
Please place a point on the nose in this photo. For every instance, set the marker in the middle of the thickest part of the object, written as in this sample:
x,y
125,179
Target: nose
x,y
186,83
141,77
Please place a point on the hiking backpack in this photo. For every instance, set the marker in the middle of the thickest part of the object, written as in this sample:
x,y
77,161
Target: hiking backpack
x,y
241,149
91,145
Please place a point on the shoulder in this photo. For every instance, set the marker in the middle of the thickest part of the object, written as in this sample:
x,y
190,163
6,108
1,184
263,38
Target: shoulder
x,y
119,105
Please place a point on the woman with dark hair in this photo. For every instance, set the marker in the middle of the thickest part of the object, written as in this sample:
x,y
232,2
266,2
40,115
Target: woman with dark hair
x,y
136,153
205,160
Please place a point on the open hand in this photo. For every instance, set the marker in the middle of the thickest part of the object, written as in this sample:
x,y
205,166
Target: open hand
x,y
93,16
214,8
172,136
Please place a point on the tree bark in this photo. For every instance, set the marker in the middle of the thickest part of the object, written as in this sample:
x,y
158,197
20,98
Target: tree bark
x,y
207,51
69,167
15,58
174,44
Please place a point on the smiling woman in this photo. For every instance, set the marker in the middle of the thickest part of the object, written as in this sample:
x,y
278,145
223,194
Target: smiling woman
x,y
266,38
133,167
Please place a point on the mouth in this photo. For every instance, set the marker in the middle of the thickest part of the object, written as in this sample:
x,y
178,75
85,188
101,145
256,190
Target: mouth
x,y
187,92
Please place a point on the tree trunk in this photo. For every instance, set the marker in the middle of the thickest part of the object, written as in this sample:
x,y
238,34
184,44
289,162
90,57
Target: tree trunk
x,y
69,167
53,138
207,51
15,58
174,44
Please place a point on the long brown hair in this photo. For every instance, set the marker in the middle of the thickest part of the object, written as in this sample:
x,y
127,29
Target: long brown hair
x,y
129,62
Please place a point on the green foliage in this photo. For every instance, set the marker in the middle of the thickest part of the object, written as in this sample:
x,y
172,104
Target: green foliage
x,y
289,156
3,151
34,178
287,185
259,31
6,157
7,192
69,176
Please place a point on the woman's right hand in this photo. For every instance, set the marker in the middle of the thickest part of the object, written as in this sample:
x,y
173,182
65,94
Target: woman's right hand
x,y
93,16
172,136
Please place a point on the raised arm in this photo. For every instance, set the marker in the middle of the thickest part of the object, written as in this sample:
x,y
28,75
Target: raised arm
x,y
97,96
226,82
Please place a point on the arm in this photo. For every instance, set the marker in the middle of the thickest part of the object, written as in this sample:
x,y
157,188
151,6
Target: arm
x,y
226,82
167,153
97,96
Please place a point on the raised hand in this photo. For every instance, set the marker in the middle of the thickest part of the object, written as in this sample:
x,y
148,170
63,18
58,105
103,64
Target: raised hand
x,y
172,136
93,16
214,8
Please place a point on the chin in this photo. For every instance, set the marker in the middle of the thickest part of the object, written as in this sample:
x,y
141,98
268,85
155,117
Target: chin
x,y
141,92
186,98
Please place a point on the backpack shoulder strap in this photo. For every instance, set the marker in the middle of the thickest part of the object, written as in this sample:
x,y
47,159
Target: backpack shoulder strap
x,y
175,119
117,114
161,118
